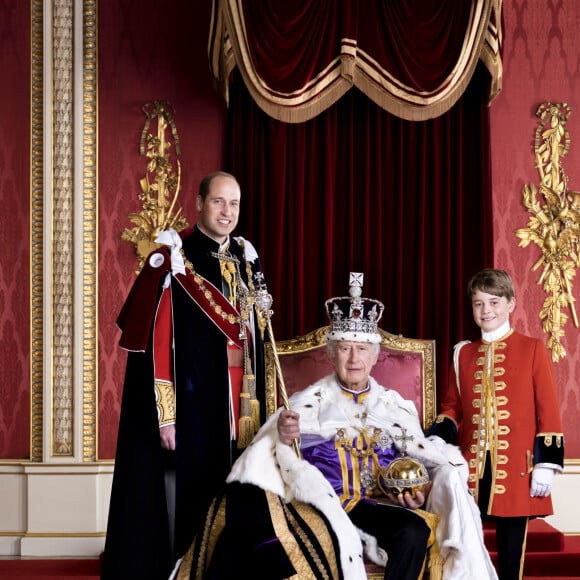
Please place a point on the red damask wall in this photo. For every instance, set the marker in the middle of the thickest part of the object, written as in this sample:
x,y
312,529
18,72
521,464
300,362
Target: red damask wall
x,y
148,50
541,63
143,58
14,230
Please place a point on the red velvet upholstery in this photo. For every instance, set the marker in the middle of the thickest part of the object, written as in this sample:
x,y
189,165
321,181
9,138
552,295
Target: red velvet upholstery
x,y
405,364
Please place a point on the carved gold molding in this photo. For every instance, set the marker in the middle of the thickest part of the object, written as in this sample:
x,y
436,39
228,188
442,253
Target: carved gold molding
x,y
554,225
59,330
37,233
161,184
62,230
90,232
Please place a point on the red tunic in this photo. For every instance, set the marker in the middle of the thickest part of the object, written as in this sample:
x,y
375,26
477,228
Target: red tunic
x,y
521,406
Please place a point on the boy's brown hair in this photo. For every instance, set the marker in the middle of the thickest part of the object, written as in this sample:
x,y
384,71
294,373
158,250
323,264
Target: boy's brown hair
x,y
492,281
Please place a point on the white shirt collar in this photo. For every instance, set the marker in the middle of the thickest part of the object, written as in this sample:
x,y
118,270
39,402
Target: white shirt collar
x,y
497,333
225,245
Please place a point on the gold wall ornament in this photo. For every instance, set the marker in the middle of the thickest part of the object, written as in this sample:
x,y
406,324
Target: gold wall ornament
x,y
554,225
161,184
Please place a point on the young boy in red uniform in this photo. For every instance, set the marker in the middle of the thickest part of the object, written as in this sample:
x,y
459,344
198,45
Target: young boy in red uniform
x,y
501,408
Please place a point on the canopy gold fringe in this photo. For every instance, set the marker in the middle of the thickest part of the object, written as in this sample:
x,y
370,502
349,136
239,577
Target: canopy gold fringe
x,y
229,48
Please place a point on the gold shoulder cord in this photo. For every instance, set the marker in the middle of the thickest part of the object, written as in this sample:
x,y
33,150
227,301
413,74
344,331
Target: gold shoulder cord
x,y
228,269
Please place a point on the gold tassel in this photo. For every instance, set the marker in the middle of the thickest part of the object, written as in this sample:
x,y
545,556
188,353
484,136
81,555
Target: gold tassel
x,y
245,424
435,562
246,433
434,554
255,414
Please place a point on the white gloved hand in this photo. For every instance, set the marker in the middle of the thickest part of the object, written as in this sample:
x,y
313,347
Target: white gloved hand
x,y
542,481
172,239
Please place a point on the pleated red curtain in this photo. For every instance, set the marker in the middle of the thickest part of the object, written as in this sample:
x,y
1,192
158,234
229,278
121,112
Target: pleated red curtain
x,y
358,188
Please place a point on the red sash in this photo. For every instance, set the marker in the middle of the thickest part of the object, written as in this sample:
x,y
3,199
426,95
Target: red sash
x,y
214,304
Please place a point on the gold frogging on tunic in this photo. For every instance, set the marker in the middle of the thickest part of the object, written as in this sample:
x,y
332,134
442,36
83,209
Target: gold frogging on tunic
x,y
490,436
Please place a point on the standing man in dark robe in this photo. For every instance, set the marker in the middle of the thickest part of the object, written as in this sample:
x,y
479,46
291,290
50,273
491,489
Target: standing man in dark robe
x,y
194,387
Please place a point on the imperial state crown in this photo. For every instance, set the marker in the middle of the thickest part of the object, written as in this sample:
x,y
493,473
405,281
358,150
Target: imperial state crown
x,y
353,317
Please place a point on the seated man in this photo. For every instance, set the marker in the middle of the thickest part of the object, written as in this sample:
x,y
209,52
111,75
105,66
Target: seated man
x,y
284,516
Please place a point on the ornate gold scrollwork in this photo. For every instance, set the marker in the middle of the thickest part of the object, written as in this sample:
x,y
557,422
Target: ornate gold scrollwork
x,y
161,184
555,225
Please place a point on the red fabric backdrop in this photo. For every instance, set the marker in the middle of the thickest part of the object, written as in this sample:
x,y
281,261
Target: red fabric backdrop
x,y
540,64
356,188
15,230
148,50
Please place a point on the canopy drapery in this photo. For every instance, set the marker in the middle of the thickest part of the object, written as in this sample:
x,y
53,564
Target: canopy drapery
x,y
414,58
359,132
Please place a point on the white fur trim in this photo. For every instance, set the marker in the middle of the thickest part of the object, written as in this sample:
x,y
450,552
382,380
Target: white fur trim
x,y
273,466
372,337
372,549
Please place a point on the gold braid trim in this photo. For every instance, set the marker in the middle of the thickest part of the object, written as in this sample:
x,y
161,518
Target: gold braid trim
x,y
288,530
165,401
246,429
549,437
228,272
206,541
435,557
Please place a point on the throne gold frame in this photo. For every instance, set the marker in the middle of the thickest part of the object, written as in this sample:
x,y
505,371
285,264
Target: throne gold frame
x,y
404,364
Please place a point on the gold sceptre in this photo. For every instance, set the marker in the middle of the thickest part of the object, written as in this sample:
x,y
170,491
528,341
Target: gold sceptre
x,y
263,302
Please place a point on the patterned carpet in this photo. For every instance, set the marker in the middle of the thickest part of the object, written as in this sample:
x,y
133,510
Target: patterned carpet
x,y
550,555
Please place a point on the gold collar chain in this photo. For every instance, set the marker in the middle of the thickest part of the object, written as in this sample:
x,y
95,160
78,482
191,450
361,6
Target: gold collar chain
x,y
208,295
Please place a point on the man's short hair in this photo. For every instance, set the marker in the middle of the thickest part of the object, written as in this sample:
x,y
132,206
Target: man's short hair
x,y
492,281
205,184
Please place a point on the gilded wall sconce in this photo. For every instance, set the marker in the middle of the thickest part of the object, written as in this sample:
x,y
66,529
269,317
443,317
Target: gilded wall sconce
x,y
161,183
554,225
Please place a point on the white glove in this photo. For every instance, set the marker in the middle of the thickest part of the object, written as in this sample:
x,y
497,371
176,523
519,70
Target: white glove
x,y
542,481
171,238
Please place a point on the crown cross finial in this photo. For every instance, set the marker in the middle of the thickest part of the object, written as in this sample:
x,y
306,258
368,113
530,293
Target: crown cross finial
x,y
355,282
353,317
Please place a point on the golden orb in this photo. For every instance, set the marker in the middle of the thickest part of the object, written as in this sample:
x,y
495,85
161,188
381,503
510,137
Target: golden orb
x,y
403,474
